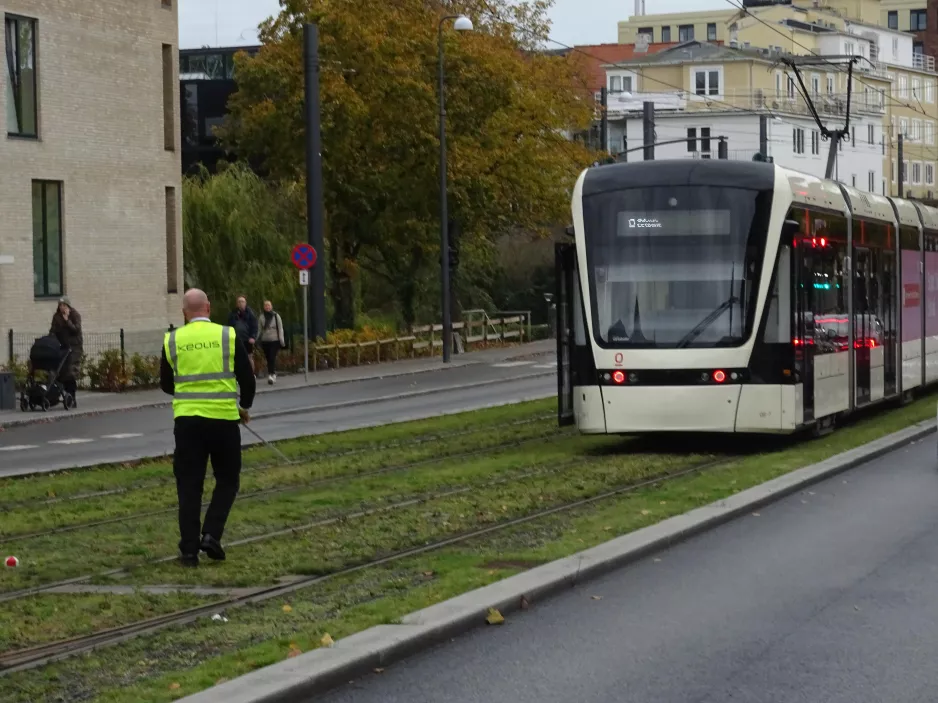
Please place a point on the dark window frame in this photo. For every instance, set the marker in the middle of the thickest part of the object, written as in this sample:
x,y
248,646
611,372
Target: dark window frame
x,y
918,20
45,293
17,102
713,26
666,39
687,30
892,19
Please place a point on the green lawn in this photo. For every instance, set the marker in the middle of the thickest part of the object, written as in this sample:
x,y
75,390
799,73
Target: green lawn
x,y
483,489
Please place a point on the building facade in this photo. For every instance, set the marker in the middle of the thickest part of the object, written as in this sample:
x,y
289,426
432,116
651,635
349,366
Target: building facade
x,y
90,184
207,80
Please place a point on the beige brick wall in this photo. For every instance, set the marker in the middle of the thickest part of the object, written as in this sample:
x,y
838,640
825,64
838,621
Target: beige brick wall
x,y
100,79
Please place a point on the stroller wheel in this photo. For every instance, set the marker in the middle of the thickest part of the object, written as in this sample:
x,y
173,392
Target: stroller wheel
x,y
68,401
46,404
24,403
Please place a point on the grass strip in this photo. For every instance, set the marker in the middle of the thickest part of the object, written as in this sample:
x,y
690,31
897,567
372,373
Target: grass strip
x,y
16,524
181,661
110,478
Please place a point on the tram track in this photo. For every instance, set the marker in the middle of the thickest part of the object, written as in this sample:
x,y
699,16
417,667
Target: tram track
x,y
265,466
40,655
546,437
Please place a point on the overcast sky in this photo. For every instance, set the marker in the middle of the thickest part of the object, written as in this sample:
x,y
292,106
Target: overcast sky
x,y
234,22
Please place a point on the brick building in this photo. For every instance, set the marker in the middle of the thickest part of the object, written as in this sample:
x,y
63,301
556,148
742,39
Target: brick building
x,y
90,170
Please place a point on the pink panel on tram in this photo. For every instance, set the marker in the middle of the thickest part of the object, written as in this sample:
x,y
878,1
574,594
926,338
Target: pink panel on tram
x,y
931,293
911,297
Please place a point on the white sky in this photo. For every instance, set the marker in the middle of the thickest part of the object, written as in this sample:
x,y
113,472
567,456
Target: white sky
x,y
234,22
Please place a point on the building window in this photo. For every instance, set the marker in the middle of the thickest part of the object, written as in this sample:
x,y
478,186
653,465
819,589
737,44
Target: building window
x,y
830,85
893,19
691,139
916,173
895,47
848,48
47,239
666,34
916,88
929,132
172,255
871,134
872,182
685,33
22,90
650,31
798,140
707,82
791,88
712,32
815,85
854,179
929,91
169,90
930,174
904,127
917,20
893,171
815,142
905,172
705,140
615,84
853,137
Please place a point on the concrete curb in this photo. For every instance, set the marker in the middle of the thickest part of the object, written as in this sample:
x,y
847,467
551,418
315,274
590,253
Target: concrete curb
x,y
295,680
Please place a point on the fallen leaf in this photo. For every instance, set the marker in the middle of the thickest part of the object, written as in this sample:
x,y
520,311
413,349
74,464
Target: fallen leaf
x,y
664,502
428,573
327,640
504,508
294,653
220,681
607,528
495,617
524,603
174,686
287,608
645,512
51,494
379,670
596,597
491,572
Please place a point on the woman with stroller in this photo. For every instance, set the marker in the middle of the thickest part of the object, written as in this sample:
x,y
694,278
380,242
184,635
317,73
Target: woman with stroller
x,y
272,339
66,327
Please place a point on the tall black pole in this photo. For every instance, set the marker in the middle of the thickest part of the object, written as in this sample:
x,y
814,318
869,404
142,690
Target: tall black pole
x,y
900,155
604,121
314,216
648,121
444,217
722,149
763,135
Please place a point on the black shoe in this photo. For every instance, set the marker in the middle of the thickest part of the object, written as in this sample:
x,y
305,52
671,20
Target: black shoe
x,y
212,547
188,560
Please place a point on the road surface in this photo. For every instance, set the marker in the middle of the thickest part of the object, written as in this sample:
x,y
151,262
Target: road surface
x,y
829,596
146,432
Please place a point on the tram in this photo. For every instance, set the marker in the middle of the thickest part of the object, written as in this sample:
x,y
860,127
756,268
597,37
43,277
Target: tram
x,y
727,296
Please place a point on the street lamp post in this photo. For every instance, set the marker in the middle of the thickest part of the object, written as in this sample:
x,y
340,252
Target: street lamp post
x,y
462,24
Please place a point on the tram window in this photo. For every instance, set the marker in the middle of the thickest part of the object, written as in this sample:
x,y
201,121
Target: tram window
x,y
873,305
778,319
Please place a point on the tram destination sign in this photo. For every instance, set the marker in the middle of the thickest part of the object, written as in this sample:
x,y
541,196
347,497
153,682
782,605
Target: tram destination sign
x,y
675,223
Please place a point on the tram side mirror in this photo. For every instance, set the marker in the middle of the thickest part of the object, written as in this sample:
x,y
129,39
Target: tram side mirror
x,y
569,230
790,229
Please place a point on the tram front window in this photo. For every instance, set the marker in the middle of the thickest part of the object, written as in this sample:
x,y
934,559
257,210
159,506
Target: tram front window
x,y
675,267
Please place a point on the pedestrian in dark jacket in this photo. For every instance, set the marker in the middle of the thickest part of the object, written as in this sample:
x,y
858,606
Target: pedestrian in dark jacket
x,y
66,327
243,319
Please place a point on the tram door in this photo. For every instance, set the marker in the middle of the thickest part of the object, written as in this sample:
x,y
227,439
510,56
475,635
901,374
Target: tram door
x,y
889,314
864,294
566,280
802,277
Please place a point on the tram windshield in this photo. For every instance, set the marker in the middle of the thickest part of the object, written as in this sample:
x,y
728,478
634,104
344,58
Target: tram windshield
x,y
677,266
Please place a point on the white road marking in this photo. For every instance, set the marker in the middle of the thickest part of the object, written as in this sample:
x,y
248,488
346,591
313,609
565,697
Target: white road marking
x,y
126,435
18,447
75,440
546,366
512,364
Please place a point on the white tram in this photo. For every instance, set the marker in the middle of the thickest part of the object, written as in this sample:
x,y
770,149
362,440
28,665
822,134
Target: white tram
x,y
729,296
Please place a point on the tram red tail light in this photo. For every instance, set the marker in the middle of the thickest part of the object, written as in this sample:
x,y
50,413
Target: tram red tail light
x,y
618,377
719,376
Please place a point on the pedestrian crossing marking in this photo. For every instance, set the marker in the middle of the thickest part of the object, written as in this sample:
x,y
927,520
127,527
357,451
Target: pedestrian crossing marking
x,y
75,440
126,435
18,447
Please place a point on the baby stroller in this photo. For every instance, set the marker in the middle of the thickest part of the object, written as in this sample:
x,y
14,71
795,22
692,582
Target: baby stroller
x,y
48,356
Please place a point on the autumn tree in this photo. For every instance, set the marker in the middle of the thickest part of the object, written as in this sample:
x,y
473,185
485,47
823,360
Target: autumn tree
x,y
509,105
238,231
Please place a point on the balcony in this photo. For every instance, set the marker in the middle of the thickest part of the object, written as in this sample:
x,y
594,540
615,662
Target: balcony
x,y
622,103
923,62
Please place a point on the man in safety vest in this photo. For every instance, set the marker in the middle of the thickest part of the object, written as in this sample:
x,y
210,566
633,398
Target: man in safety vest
x,y
202,367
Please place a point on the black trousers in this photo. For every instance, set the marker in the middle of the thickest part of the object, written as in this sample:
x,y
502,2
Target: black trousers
x,y
198,440
271,349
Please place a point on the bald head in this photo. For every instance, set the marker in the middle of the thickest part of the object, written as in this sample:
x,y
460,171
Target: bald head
x,y
195,304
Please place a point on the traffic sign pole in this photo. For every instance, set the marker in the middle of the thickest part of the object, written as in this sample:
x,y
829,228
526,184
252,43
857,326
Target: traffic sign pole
x,y
304,283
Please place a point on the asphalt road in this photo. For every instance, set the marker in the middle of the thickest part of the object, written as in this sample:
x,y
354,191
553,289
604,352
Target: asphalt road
x,y
829,596
147,432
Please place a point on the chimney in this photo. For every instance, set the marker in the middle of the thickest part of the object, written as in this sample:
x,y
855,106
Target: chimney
x,y
639,7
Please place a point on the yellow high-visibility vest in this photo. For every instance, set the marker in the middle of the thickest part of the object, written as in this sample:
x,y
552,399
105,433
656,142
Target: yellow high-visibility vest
x,y
201,355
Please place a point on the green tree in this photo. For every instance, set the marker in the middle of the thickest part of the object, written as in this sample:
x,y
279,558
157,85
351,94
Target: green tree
x,y
237,233
508,104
